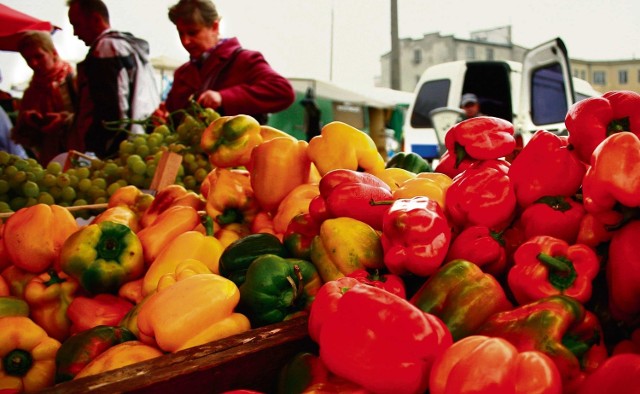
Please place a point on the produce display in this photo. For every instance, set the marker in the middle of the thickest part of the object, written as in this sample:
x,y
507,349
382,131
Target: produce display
x,y
492,272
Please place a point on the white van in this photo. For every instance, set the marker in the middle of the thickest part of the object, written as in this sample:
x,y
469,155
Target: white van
x,y
532,95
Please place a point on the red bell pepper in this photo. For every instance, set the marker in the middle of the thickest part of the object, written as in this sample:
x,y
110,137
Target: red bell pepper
x,y
558,326
546,266
597,228
546,166
483,197
480,364
381,341
326,303
592,120
415,236
630,345
623,273
102,309
481,138
299,234
618,374
389,282
556,216
614,175
481,246
448,165
351,193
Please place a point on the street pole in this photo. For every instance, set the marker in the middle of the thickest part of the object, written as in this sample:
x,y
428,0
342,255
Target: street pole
x,y
395,47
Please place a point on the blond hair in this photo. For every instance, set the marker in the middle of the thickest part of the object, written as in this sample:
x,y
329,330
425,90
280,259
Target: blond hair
x,y
37,39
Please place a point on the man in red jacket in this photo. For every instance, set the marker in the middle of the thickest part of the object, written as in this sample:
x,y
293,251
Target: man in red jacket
x,y
221,74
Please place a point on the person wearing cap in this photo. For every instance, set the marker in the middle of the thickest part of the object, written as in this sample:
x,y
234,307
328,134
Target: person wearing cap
x,y
470,105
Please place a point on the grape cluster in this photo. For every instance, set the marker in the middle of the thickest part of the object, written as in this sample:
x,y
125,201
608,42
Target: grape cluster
x,y
24,182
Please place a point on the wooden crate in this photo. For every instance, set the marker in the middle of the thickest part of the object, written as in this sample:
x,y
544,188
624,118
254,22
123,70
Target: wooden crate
x,y
251,360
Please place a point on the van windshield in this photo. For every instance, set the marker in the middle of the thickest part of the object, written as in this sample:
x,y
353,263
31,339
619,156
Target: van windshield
x,y
432,95
548,102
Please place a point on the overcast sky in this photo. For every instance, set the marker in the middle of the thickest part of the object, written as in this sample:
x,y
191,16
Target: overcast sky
x,y
296,35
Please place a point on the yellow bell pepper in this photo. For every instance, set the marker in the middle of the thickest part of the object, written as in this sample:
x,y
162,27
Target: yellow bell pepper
x,y
429,184
231,232
168,197
277,167
193,311
118,356
343,146
188,245
296,202
27,354
119,214
394,176
49,295
230,197
268,133
183,269
168,225
34,235
229,140
345,245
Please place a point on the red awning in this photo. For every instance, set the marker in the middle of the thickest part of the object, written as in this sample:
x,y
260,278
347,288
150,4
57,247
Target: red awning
x,y
13,23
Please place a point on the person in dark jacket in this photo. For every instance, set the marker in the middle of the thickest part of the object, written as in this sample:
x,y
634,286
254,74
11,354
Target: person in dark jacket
x,y
220,73
115,80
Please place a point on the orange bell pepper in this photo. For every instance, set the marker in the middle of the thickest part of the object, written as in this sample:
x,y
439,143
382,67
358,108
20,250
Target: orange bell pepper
x,y
132,291
102,309
428,184
170,196
193,311
5,261
277,167
17,280
232,232
343,146
4,288
296,202
168,225
132,197
263,223
49,295
118,356
34,235
229,140
27,354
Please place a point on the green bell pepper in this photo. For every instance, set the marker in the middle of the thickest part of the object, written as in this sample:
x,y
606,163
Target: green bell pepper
x,y
238,256
13,306
462,296
103,256
409,161
276,288
80,349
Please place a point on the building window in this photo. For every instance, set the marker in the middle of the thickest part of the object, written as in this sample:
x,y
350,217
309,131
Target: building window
x,y
598,78
471,53
622,77
583,74
417,56
490,55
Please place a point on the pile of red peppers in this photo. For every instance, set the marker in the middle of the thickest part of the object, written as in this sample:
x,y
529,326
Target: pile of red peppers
x,y
526,279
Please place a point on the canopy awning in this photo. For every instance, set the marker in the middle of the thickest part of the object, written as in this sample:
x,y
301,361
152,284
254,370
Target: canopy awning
x,y
13,23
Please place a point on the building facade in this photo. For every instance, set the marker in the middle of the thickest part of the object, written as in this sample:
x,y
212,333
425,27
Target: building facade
x,y
416,55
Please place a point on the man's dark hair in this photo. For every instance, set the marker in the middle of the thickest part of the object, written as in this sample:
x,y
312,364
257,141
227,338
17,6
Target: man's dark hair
x,y
88,7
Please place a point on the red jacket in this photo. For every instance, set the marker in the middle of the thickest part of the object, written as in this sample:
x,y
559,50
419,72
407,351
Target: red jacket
x,y
247,84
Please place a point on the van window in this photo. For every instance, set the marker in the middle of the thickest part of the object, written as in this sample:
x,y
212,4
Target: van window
x,y
432,95
549,103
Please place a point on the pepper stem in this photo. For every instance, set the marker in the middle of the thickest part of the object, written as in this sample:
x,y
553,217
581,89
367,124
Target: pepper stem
x,y
17,362
562,274
461,154
373,202
297,288
54,278
230,215
207,222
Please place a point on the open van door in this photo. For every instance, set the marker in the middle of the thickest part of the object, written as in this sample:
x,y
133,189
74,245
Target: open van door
x,y
547,89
